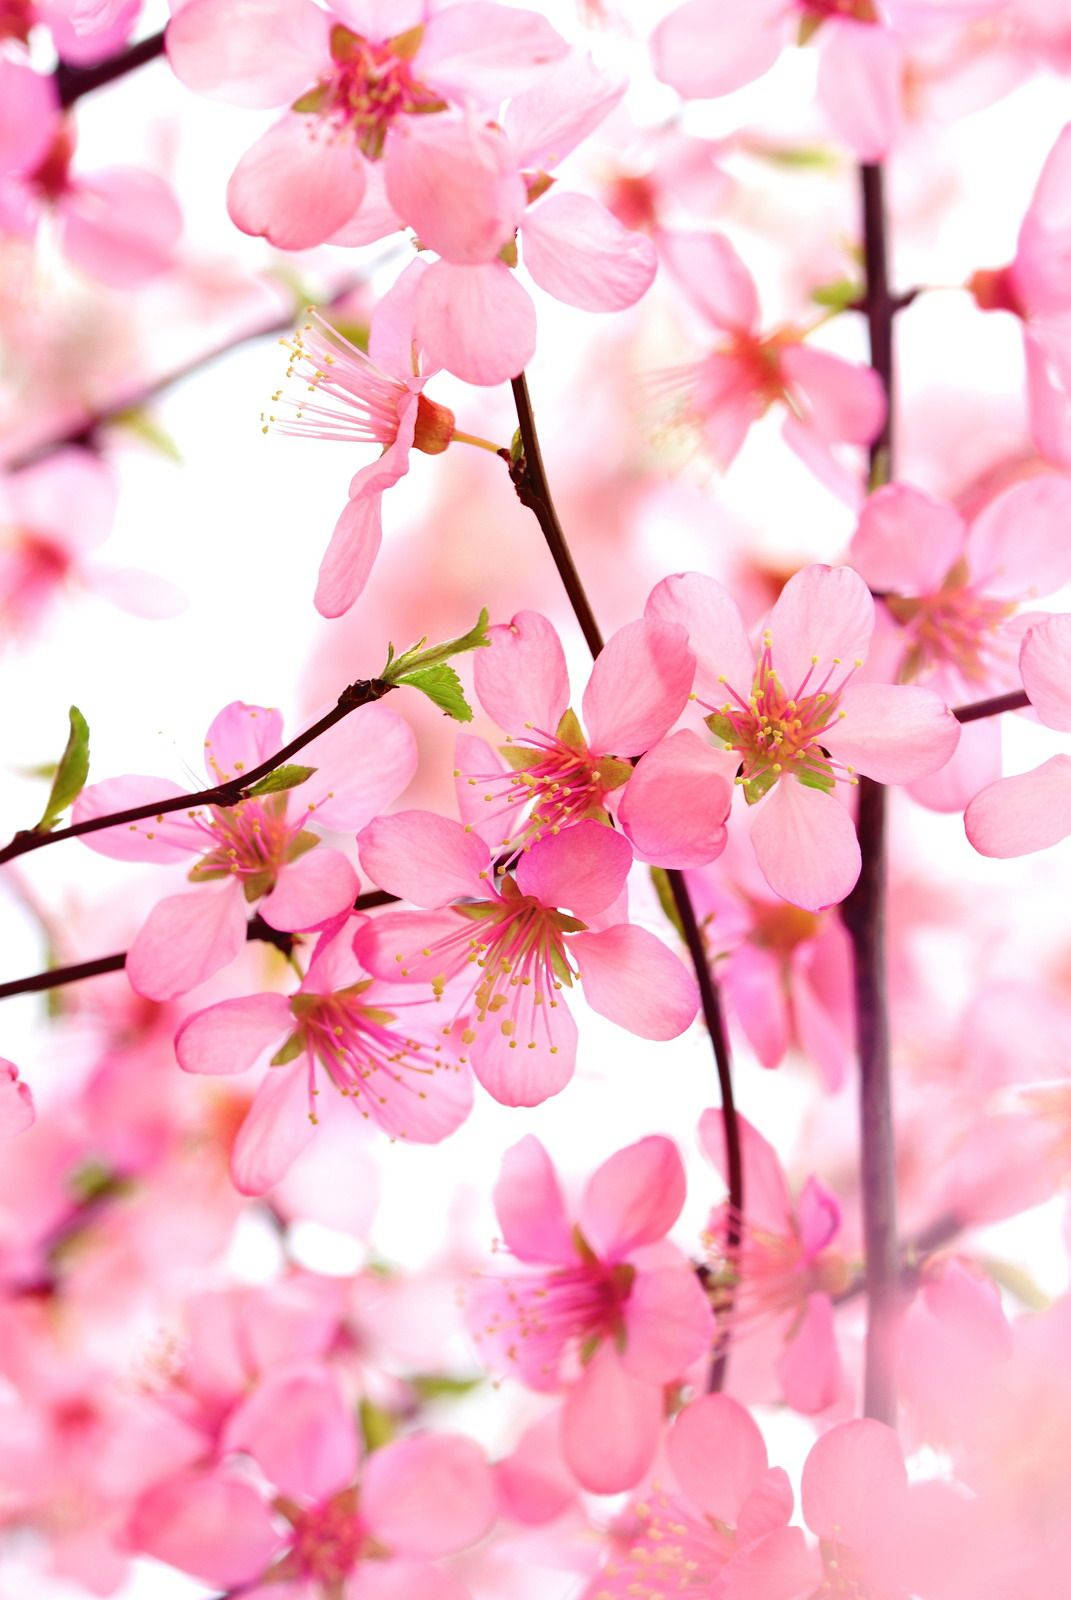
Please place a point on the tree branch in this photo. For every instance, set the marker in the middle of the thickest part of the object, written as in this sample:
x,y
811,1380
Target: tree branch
x,y
73,82
1015,700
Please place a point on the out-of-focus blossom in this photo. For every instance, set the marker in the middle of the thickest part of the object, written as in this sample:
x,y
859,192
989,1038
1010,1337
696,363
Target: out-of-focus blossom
x,y
16,1102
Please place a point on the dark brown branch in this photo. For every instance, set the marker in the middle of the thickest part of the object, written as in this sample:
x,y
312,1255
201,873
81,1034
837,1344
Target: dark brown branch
x,y
73,82
226,794
1015,700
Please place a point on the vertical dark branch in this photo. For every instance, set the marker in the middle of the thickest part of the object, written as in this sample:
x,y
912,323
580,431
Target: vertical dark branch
x,y
864,914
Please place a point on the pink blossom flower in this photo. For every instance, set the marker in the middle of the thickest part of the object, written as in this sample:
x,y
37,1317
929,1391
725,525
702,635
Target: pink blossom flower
x,y
526,950
610,1320
16,1102
396,1070
794,727
1016,816
333,1526
260,849
29,114
376,398
555,775
53,516
829,401
354,78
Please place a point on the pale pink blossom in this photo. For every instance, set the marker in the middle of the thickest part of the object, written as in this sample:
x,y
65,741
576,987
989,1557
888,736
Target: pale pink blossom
x,y
829,401
262,849
793,726
611,1321
16,1102
517,941
363,1038
355,78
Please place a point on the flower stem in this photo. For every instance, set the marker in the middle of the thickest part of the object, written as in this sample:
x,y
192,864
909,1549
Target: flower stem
x,y
457,437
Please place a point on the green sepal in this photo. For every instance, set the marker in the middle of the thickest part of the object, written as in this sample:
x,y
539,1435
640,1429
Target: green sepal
x,y
289,1051
312,100
288,777
721,727
755,788
660,879
344,44
812,779
437,1386
256,887
613,772
570,733
207,871
560,967
302,844
476,910
521,756
378,1427
509,254
839,295
148,430
72,770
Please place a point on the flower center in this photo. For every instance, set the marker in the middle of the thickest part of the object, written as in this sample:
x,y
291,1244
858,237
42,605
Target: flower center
x,y
327,1541
371,84
251,842
957,627
365,1058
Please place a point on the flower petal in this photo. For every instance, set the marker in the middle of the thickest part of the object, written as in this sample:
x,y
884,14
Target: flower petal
x,y
582,869
362,764
639,686
230,1036
805,844
893,732
521,680
276,1129
297,185
214,1528
714,277
170,838
906,541
16,1102
1016,816
675,804
255,53
669,1324
358,533
240,738
535,1060
716,633
456,183
1045,661
822,615
426,859
611,1424
633,1198
709,47
477,322
428,1495
1017,545
185,939
718,1456
578,251
631,977
299,1430
530,1206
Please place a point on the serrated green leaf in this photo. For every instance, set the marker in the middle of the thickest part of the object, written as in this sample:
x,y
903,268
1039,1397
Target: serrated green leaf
x,y
416,658
436,1386
72,770
442,685
282,778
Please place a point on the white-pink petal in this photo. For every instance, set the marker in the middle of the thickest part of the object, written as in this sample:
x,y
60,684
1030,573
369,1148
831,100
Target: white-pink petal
x,y
630,976
171,838
358,533
481,51
185,939
532,1063
560,109
1045,663
714,277
675,804
840,400
716,633
611,1424
822,615
718,1456
578,251
860,70
362,764
297,185
806,846
120,226
521,679
276,1129
669,1324
255,53
456,183
428,1495
709,47
299,1430
906,541
477,322
892,732
308,891
633,1198
1017,545
215,1528
229,1037
1016,816
530,1206
240,738
582,869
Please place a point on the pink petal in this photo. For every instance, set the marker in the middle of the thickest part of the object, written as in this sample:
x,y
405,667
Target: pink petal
x,y
455,182
28,116
1045,661
708,47
485,52
362,764
975,762
780,1567
818,456
818,1217
478,322
261,53
357,535
16,1102
535,1061
143,594
578,251
631,977
521,680
276,1129
1016,816
120,226
840,399
533,1482
717,1455
860,68
633,1198
563,107
297,185
714,277
240,738
854,1484
582,869
212,1527
906,541
299,1430
171,838
185,939
809,1366
767,1202
310,890
639,686
892,732
675,804
476,766
823,612
669,1324
390,332
230,1036
611,1424
391,945
716,633
806,846
398,1579
530,1206
428,1495
1048,400
71,496
753,980
1039,271
1017,545
424,858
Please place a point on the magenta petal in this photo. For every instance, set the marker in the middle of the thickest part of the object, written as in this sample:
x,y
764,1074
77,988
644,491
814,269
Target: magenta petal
x,y
709,47
582,869
230,1036
530,1207
824,613
716,633
805,844
630,976
714,277
675,804
357,534
428,1495
297,185
299,1430
362,764
578,251
718,1456
893,732
633,1198
212,1527
171,838
809,1365
906,541
668,1324
1045,662
521,680
639,686
1016,816
276,1129
185,939
611,1424
260,53
536,1060
478,322
317,886
427,859
240,738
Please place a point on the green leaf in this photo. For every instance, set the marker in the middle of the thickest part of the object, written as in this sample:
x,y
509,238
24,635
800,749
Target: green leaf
x,y
415,659
436,1386
839,295
72,770
282,778
442,685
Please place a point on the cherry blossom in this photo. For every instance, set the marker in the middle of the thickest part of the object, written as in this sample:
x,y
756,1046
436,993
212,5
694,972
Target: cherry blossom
x,y
16,1102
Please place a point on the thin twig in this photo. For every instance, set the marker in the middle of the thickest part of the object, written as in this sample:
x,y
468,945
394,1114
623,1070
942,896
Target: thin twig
x,y
73,82
1014,700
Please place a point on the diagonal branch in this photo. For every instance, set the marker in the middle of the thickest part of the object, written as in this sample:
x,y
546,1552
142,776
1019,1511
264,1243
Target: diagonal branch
x,y
73,82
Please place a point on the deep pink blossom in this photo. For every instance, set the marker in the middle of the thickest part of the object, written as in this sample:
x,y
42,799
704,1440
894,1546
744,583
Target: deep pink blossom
x,y
262,849
529,935
609,1321
362,1037
795,728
